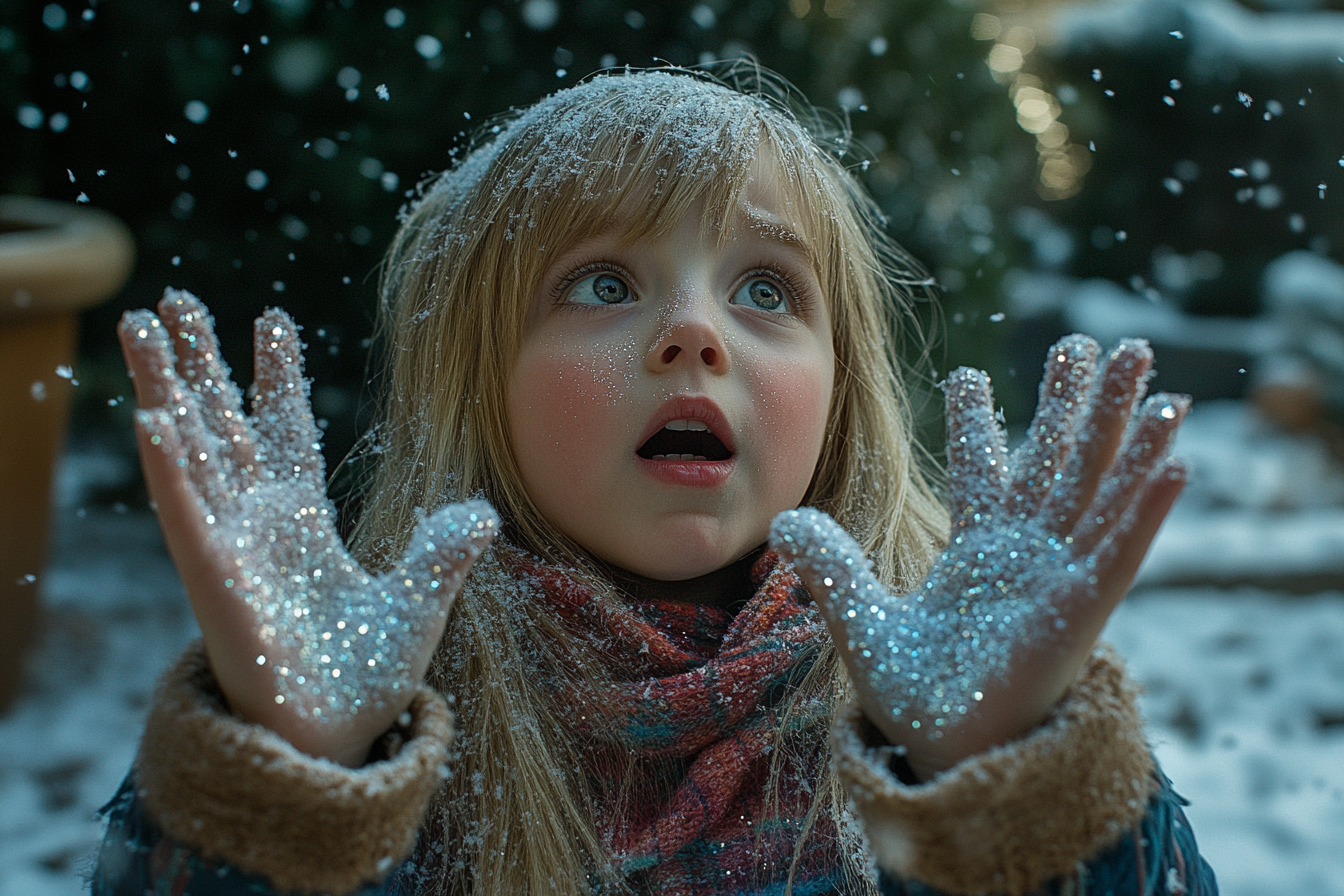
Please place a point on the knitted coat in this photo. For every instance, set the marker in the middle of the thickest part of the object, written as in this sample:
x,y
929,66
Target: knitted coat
x,y
218,807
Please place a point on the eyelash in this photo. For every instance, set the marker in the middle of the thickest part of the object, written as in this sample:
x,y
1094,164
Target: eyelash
x,y
797,294
586,269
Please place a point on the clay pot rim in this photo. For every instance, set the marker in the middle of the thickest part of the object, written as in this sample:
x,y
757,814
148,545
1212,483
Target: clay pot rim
x,y
59,257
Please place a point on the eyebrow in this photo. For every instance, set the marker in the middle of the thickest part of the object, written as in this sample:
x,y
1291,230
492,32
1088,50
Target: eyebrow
x,y
757,220
772,226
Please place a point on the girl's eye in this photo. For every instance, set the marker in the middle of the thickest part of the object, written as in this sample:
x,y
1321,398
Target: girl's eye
x,y
763,294
598,289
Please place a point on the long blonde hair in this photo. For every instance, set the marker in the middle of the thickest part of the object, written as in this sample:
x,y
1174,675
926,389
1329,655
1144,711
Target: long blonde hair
x,y
517,815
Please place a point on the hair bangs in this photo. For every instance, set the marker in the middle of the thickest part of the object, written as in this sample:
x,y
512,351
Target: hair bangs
x,y
602,153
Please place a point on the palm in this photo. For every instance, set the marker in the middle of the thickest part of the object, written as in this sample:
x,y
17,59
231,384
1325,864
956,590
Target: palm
x,y
336,637
1044,543
298,632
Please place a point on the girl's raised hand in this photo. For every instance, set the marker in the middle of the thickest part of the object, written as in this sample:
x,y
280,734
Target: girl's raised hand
x,y
301,638
1045,542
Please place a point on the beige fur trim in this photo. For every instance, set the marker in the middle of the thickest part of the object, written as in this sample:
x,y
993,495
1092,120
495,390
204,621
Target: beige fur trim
x,y
241,794
1018,815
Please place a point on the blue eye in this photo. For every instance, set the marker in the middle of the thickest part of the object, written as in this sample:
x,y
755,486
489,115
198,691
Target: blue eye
x,y
598,289
763,294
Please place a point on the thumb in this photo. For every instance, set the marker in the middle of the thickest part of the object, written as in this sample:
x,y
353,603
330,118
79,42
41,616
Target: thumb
x,y
445,545
836,573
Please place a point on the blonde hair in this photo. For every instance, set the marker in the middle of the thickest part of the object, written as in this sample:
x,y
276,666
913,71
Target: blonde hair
x,y
516,815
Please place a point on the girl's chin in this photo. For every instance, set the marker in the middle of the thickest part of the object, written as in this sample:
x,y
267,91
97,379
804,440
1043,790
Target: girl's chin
x,y
673,559
672,570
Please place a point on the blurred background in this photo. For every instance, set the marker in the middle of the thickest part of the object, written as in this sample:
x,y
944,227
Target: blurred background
x,y
1164,168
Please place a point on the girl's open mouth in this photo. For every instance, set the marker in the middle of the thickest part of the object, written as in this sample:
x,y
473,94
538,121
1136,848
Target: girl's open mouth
x,y
683,440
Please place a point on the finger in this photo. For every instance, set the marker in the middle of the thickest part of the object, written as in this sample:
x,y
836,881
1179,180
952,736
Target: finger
x,y
163,460
1109,408
201,367
1038,462
145,343
977,465
282,414
1146,446
866,622
149,358
442,550
1121,553
835,572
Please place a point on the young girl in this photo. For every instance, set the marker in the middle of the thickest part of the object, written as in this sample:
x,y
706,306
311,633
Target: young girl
x,y
646,319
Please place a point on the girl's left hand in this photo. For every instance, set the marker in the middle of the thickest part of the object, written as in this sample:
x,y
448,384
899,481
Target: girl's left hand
x,y
1045,543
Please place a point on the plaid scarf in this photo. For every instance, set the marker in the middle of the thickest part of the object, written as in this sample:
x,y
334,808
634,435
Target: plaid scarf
x,y
695,699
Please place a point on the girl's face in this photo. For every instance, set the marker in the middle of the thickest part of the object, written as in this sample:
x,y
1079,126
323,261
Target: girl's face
x,y
671,393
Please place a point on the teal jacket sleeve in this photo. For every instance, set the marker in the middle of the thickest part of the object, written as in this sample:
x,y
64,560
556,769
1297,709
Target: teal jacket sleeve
x,y
1159,857
136,859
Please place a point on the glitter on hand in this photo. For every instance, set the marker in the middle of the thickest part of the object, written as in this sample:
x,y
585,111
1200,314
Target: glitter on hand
x,y
260,480
1030,532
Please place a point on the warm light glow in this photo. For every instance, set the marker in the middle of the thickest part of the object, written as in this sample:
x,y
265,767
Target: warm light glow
x,y
1033,110
1061,165
1057,172
800,8
1036,109
1022,37
1054,136
985,26
1061,171
1029,94
1004,59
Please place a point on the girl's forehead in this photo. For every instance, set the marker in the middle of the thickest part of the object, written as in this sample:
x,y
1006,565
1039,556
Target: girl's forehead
x,y
755,200
761,214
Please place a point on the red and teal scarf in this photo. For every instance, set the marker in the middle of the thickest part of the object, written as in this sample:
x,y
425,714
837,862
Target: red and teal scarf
x,y
699,700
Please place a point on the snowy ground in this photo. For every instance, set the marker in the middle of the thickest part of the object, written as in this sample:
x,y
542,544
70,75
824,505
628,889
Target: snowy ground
x,y
1236,631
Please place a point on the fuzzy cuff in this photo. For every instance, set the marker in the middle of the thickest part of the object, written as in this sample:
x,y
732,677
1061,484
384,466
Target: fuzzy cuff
x,y
240,794
1018,815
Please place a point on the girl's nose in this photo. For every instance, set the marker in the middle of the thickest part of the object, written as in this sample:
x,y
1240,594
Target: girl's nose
x,y
689,332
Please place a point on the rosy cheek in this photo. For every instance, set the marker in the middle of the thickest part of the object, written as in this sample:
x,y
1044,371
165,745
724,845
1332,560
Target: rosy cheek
x,y
570,396
793,398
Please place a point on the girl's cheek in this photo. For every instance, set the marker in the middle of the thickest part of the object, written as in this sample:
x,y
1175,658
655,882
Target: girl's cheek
x,y
594,376
793,400
571,393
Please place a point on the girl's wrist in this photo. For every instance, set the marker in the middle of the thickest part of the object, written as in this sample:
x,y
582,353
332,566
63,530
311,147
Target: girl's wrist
x,y
928,756
348,744
350,749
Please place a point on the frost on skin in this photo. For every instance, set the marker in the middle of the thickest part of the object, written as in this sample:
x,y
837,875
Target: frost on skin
x,y
337,637
1036,535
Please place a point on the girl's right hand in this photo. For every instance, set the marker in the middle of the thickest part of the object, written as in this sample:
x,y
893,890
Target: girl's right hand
x,y
301,638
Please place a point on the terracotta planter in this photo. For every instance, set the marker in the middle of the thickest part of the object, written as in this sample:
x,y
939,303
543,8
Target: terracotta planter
x,y
55,259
